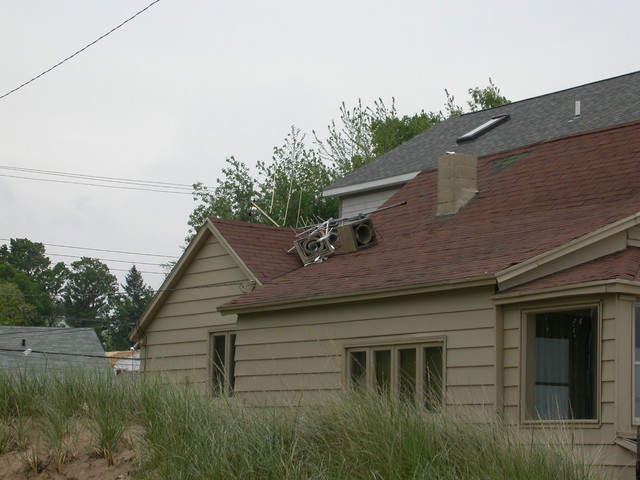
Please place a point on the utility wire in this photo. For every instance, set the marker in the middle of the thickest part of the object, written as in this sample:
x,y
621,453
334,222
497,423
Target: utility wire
x,y
69,182
98,249
65,354
63,318
79,51
141,271
129,181
105,259
245,283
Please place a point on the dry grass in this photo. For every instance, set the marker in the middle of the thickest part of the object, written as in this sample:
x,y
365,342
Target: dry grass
x,y
181,434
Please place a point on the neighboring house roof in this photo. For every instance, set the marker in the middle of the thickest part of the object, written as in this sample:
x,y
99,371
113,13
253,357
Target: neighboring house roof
x,y
45,349
603,103
530,201
127,360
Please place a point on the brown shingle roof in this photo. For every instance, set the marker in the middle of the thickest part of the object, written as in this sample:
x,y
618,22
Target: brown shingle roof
x,y
261,247
623,265
530,200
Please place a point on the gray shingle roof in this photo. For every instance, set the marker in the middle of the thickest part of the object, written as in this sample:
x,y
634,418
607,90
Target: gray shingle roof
x,y
52,349
603,103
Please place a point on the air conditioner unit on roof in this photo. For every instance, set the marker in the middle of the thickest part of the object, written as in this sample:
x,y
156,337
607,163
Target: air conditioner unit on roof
x,y
357,235
313,247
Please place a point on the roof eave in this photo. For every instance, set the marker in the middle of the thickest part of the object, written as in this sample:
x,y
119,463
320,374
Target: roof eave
x,y
370,185
509,275
470,282
185,260
615,285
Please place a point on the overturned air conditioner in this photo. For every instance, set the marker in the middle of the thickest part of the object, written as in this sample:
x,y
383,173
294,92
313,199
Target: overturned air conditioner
x,y
315,247
357,235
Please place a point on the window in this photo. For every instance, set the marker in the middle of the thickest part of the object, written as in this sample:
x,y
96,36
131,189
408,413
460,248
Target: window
x,y
413,372
636,365
223,350
561,365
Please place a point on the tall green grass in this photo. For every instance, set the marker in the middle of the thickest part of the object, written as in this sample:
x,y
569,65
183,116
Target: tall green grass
x,y
180,433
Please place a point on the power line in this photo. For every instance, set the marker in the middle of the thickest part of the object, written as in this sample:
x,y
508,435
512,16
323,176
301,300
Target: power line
x,y
98,249
96,184
79,51
62,318
141,271
244,284
65,354
106,259
128,181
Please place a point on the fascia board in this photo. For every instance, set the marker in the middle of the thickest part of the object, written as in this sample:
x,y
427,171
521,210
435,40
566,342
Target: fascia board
x,y
232,253
485,280
371,185
184,261
587,288
169,282
569,247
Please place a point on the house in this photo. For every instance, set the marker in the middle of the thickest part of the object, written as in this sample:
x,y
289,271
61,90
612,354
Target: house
x,y
47,350
124,361
579,109
507,283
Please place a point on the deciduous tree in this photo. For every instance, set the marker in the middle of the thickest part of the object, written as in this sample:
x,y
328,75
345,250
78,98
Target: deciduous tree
x,y
288,190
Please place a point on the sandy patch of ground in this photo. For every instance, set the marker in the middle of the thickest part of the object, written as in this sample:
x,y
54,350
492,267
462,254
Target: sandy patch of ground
x,y
82,463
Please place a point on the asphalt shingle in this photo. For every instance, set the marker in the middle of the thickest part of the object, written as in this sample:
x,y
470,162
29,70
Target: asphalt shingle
x,y
603,103
530,200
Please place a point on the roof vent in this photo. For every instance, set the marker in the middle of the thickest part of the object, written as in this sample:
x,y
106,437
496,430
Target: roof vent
x,y
484,128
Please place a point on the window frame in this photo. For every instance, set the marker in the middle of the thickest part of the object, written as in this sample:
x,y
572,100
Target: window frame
x,y
230,336
635,415
527,324
395,345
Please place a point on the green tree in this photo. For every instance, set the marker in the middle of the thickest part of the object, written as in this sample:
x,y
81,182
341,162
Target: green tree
x,y
137,296
349,143
391,132
484,98
90,294
230,199
44,307
29,258
14,309
288,190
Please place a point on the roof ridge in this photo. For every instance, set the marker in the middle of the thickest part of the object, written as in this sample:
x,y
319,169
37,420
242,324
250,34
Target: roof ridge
x,y
563,90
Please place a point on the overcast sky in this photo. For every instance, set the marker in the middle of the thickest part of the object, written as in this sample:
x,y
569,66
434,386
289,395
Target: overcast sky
x,y
186,84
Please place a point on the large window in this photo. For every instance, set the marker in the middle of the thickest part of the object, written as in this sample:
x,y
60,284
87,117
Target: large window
x,y
413,372
561,365
223,349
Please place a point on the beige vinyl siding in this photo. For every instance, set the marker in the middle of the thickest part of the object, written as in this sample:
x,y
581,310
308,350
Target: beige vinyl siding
x,y
598,437
176,342
300,352
365,202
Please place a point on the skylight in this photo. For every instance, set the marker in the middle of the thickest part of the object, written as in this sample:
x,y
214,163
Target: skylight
x,y
484,128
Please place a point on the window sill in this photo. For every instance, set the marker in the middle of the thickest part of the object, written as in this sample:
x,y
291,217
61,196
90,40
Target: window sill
x,y
560,423
627,444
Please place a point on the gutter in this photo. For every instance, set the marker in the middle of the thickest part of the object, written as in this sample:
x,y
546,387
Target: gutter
x,y
471,282
371,185
614,285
